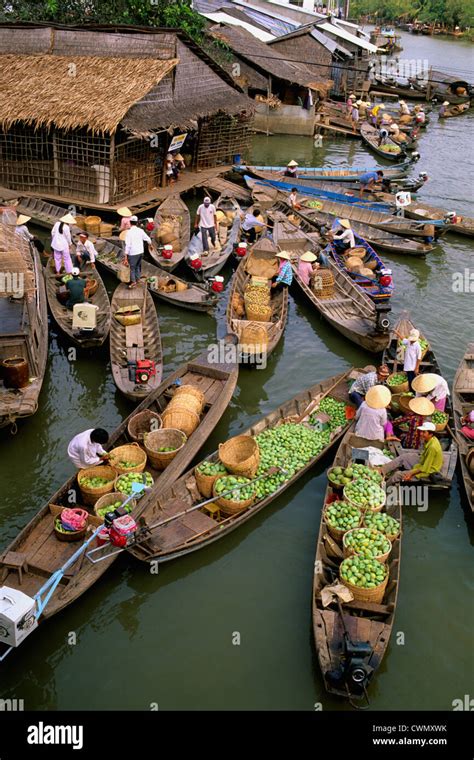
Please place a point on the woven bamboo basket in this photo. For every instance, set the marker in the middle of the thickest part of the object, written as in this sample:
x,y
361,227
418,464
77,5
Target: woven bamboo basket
x,y
336,533
240,455
71,535
374,595
349,552
180,286
143,422
254,338
378,508
205,483
92,286
187,392
391,536
230,507
105,229
90,495
258,313
403,403
334,486
367,273
109,499
402,388
371,264
323,283
93,224
358,251
80,222
440,426
161,438
180,418
185,402
130,452
123,273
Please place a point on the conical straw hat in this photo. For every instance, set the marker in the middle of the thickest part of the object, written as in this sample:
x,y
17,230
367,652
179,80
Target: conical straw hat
x,y
378,397
345,223
308,256
124,211
425,383
68,219
292,163
283,255
22,219
421,406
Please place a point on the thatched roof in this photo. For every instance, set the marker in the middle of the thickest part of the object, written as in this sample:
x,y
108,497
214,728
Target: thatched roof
x,y
15,259
75,92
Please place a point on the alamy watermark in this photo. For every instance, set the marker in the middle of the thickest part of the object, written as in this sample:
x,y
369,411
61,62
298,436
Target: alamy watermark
x,y
254,354
463,282
401,67
12,283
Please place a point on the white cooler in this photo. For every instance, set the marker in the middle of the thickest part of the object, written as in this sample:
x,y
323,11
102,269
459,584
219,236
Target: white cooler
x,y
17,616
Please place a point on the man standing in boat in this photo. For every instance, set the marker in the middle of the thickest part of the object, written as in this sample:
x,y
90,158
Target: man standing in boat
x,y
134,250
206,223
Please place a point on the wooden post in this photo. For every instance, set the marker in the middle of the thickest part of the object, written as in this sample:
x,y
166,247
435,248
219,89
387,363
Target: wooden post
x,y
55,164
111,168
269,92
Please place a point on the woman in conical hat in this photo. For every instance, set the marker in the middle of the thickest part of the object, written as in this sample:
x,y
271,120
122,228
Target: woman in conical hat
x,y
433,387
291,169
21,229
307,266
125,213
372,421
420,411
61,243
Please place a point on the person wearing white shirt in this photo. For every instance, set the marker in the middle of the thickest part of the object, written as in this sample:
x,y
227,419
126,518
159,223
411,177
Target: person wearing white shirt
x,y
85,449
412,358
61,243
21,229
344,238
85,251
206,221
134,250
433,387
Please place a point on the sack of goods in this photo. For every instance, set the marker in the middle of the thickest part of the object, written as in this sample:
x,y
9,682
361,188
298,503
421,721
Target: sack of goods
x,y
168,233
257,303
129,315
238,305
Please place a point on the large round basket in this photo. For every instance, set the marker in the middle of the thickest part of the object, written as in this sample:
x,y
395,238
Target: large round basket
x,y
358,251
180,418
336,533
189,397
254,338
93,224
70,535
374,595
349,552
440,426
164,438
391,536
92,286
205,483
109,499
256,313
240,455
401,388
105,229
378,508
230,507
90,495
143,422
80,221
334,486
131,452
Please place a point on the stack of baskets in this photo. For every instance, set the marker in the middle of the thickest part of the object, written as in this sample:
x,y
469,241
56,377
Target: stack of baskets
x,y
257,303
184,410
93,224
323,283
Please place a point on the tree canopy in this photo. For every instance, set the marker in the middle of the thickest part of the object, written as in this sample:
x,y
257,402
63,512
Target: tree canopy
x,y
449,13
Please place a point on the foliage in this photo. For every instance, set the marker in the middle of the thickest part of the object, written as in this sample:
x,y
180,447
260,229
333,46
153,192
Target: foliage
x,y
448,13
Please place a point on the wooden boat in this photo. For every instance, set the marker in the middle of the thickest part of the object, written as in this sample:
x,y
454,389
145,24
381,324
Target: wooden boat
x,y
370,136
422,210
429,363
351,638
23,324
463,403
174,212
37,542
63,316
374,289
187,533
279,303
216,259
339,174
350,311
135,342
186,295
444,87
411,91
454,111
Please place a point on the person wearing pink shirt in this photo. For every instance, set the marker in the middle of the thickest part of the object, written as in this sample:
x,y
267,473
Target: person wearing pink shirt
x,y
307,267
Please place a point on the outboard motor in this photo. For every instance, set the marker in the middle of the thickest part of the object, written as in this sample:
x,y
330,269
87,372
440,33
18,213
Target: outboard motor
x,y
451,217
423,176
382,324
356,671
415,156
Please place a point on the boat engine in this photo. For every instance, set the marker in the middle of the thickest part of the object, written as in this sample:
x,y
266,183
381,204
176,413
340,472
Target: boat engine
x,y
382,323
241,249
415,156
356,671
141,371
217,283
121,527
195,261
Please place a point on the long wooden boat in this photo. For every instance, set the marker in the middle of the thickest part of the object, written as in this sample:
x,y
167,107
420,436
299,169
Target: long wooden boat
x,y
443,86
351,639
370,137
429,363
37,542
23,324
350,311
135,342
216,259
422,210
187,533
463,403
279,303
186,295
455,110
63,316
410,91
174,212
378,292
339,174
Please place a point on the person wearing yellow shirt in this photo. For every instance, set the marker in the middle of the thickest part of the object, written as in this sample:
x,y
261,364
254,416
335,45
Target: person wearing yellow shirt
x,y
374,112
411,465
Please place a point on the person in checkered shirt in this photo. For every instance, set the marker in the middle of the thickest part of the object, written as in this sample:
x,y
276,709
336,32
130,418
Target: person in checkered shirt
x,y
364,382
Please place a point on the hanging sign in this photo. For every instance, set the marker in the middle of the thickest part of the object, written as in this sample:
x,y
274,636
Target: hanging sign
x,y
177,142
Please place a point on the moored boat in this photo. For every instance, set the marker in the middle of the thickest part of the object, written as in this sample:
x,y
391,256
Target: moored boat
x,y
463,403
226,238
339,174
379,286
390,150
173,222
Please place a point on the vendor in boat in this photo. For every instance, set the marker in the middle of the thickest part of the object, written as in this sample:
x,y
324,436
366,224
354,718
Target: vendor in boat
x,y
135,239
206,223
85,449
343,237
77,288
396,135
365,381
307,266
284,277
251,224
349,103
369,179
383,136
125,215
364,106
433,387
85,251
443,109
21,229
410,465
292,199
412,355
372,420
467,423
420,116
374,113
408,424
61,243
403,109
355,115
291,169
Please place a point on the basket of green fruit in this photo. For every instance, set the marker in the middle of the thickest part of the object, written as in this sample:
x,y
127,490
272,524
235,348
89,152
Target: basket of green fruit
x,y
340,516
128,458
339,477
96,481
163,445
398,382
365,494
366,542
239,495
206,474
384,523
108,503
440,419
366,578
123,483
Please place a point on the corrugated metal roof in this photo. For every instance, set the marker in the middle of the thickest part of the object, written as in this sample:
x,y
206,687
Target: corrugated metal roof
x,y
332,28
225,18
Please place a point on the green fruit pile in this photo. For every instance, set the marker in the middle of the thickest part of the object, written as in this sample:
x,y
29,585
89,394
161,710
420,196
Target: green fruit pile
x,y
126,465
228,482
388,453
290,446
362,471
94,482
390,148
342,515
211,468
424,345
102,511
439,418
342,476
66,278
124,483
364,493
367,542
336,410
383,523
397,379
167,448
363,572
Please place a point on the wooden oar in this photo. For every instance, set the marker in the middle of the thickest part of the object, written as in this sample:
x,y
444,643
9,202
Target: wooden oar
x,y
319,398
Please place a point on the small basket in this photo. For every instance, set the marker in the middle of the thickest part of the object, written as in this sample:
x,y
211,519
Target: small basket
x,y
159,438
80,222
143,422
70,535
180,418
230,507
254,338
240,455
402,388
378,508
258,313
92,286
391,536
90,495
440,426
374,595
348,552
109,499
131,452
205,483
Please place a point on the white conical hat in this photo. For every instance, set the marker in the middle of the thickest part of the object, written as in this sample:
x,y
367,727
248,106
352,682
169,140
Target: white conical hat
x,y
124,211
68,219
292,163
283,255
425,383
308,256
421,406
22,219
